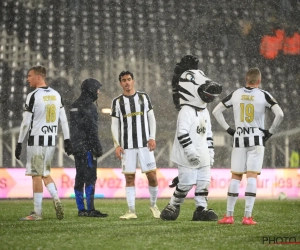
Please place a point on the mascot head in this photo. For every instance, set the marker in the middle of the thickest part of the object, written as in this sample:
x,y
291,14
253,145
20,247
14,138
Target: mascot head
x,y
196,89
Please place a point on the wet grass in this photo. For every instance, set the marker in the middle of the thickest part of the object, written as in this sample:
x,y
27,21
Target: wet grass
x,y
276,219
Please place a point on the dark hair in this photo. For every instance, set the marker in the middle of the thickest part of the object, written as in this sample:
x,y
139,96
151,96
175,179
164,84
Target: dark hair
x,y
39,70
123,73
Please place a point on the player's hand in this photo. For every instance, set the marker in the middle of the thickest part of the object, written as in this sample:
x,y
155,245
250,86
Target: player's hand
x,y
119,151
18,150
267,134
151,144
68,147
175,181
230,131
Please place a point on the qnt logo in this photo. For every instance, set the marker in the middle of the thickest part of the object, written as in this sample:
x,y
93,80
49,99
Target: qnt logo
x,y
245,131
280,240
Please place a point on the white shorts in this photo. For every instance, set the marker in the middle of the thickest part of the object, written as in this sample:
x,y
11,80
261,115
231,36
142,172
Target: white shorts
x,y
249,159
131,157
190,176
39,160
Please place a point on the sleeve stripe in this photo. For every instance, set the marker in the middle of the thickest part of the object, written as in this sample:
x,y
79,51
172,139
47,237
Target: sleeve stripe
x,y
186,144
182,136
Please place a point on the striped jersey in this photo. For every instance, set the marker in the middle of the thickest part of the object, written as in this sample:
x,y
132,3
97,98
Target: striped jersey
x,y
249,105
44,104
132,114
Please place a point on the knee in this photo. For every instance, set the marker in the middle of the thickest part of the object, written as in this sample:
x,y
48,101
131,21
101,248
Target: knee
x,y
183,188
130,178
152,179
202,186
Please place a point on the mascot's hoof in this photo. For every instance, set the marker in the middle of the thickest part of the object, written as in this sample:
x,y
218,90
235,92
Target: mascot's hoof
x,y
201,214
170,212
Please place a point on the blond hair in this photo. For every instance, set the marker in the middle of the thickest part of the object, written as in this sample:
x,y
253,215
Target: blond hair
x,y
253,75
39,70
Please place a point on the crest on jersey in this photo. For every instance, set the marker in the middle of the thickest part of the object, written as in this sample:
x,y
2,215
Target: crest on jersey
x,y
196,89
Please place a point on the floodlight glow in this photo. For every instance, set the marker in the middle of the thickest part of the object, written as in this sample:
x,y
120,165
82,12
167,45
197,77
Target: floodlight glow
x,y
106,110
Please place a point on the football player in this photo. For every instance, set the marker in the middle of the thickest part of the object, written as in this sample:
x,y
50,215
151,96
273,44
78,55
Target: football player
x,y
43,110
249,105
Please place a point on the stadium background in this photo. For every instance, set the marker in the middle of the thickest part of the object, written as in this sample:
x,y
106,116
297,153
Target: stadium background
x,y
76,39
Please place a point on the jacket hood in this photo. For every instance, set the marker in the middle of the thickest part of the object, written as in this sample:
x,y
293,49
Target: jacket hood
x,y
90,87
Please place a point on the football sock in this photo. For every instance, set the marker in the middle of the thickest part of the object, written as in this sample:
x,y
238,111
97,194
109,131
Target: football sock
x,y
201,193
179,194
250,195
79,199
153,195
53,191
232,196
37,201
130,197
90,193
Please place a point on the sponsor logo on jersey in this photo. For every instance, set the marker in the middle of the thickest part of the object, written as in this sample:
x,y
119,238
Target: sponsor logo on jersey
x,y
201,130
49,129
133,114
245,131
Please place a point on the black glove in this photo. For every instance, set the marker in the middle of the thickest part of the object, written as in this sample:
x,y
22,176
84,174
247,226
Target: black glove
x,y
230,131
175,181
18,150
97,150
267,134
68,147
98,154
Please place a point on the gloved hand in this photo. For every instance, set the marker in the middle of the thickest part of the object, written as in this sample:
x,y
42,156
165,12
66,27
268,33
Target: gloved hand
x,y
267,134
194,161
98,154
175,181
230,131
68,147
97,150
18,150
212,160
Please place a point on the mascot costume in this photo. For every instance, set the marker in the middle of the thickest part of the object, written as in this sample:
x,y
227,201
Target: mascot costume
x,y
193,150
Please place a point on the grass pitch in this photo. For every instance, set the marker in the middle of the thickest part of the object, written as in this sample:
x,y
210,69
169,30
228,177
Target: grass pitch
x,y
278,221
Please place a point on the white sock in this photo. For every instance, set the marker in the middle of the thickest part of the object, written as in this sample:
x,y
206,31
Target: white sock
x,y
153,195
37,201
53,191
232,196
250,196
130,197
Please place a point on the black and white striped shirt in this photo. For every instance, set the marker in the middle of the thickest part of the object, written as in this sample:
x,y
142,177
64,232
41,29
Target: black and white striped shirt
x,y
132,114
44,104
249,107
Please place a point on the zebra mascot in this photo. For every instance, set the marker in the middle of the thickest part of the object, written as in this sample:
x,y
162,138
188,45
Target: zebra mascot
x,y
193,150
